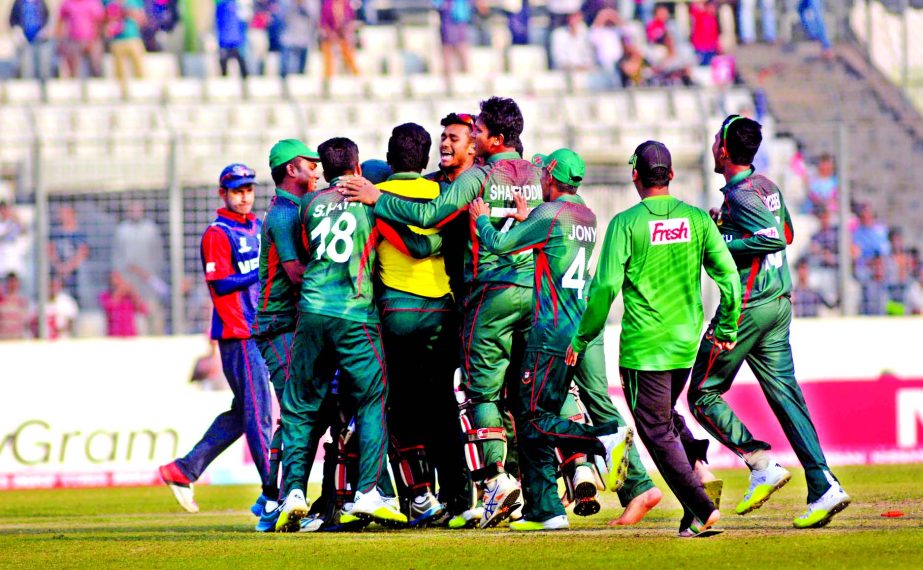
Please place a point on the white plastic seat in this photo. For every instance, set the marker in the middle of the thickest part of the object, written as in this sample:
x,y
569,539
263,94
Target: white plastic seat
x,y
387,87
372,114
224,89
548,83
509,85
268,88
613,108
22,91
144,90
651,106
428,86
525,61
340,87
381,39
186,90
323,114
303,87
103,91
485,62
60,91
687,106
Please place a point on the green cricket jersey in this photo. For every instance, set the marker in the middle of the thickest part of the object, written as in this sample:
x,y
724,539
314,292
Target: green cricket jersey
x,y
278,303
339,238
561,235
757,227
654,253
495,181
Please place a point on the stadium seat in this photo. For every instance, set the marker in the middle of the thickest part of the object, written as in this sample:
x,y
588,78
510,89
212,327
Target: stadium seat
x,y
102,91
580,111
509,85
687,106
144,90
371,62
525,61
548,83
485,62
442,107
59,91
387,87
429,86
590,82
249,118
16,134
327,114
93,120
287,118
53,120
346,87
736,101
186,90
161,66
303,87
422,42
21,91
371,114
380,39
613,108
223,89
259,88
465,85
420,112
652,106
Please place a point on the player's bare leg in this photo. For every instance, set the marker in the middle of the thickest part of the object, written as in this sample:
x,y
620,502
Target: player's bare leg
x,y
638,507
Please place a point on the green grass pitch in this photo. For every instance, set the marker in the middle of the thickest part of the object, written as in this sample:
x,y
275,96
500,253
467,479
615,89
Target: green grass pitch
x,y
143,527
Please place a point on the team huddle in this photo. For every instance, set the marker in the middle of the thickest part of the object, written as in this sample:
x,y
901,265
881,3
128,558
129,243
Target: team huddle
x,y
449,324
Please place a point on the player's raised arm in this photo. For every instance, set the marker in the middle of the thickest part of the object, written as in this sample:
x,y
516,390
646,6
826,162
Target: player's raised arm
x,y
437,212
719,265
606,284
529,234
415,244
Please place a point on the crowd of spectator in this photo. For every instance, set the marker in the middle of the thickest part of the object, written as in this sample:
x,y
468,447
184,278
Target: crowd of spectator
x,y
886,274
637,41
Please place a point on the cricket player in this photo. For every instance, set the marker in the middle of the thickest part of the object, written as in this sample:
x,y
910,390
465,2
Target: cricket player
x,y
654,253
561,234
420,335
294,171
757,227
498,305
230,258
338,325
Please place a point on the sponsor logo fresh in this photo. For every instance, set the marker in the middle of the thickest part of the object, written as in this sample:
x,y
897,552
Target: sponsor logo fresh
x,y
669,231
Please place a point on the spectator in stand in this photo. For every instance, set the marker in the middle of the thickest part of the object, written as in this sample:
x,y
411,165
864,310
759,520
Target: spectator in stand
x,y
124,20
915,292
706,33
746,20
28,21
822,187
338,26
641,10
875,295
231,30
592,8
806,300
671,58
300,21
79,33
517,20
67,249
454,22
632,68
558,13
120,303
11,229
61,312
14,310
899,266
138,254
259,14
811,13
869,237
606,39
570,46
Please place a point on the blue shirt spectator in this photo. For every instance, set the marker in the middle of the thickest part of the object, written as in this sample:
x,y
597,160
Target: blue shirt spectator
x,y
31,16
230,28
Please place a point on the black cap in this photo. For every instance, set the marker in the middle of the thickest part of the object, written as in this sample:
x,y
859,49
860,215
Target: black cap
x,y
650,155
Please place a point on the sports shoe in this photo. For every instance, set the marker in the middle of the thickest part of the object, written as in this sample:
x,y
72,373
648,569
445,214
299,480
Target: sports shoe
x,y
468,519
267,522
424,509
586,502
617,446
501,497
373,506
763,483
180,485
258,507
294,509
311,523
821,511
559,522
699,528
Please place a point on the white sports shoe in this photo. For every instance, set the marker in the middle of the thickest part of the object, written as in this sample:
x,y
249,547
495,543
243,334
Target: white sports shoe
x,y
821,511
501,497
617,446
559,522
372,505
586,502
294,509
311,523
763,483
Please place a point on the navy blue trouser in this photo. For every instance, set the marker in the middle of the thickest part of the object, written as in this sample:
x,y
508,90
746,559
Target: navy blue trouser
x,y
250,413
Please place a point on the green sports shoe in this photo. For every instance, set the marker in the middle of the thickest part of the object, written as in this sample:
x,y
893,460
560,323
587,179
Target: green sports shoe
x,y
294,509
559,522
763,483
821,511
617,446
372,505
468,519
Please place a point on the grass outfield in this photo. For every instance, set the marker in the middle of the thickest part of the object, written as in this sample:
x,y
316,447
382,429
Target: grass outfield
x,y
143,527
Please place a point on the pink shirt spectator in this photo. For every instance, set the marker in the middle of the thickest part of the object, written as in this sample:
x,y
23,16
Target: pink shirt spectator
x,y
120,314
705,34
83,19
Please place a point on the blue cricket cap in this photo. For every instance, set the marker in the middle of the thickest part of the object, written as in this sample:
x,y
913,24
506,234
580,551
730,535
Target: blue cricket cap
x,y
236,175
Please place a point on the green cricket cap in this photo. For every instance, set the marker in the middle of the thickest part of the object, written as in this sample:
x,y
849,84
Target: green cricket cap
x,y
564,165
287,149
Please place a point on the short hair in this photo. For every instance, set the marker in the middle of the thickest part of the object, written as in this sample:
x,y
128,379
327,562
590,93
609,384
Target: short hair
x,y
742,138
338,156
655,178
280,172
502,116
408,148
565,187
458,119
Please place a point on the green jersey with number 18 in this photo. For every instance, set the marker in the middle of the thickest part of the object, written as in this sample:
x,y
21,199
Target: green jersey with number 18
x,y
340,239
561,235
654,253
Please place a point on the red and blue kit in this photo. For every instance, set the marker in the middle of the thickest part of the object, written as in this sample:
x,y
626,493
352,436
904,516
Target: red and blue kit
x,y
231,259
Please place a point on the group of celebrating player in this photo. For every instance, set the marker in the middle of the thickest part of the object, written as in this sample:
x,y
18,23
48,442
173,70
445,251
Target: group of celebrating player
x,y
361,304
